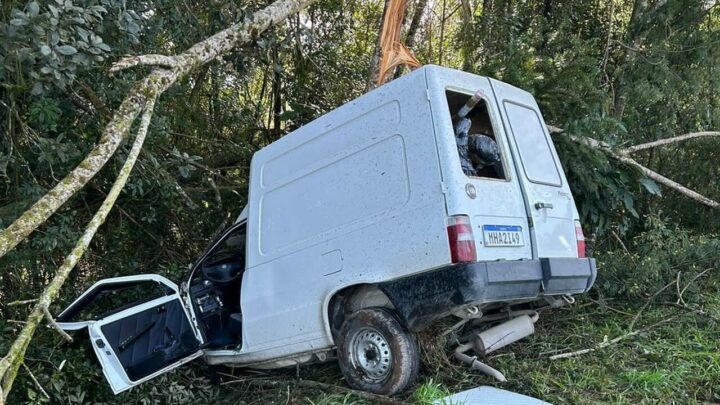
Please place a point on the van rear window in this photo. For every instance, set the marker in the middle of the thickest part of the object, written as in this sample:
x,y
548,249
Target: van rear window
x,y
479,152
535,153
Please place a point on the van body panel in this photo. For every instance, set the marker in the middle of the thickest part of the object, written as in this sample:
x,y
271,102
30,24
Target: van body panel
x,y
353,197
548,201
497,202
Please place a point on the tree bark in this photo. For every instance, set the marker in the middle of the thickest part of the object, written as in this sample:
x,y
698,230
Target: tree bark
x,y
415,22
153,85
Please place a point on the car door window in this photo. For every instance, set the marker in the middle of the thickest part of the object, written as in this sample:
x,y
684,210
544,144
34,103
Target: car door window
x,y
108,299
535,153
478,141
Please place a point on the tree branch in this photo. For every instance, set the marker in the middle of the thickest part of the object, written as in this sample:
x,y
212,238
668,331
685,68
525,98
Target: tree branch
x,y
669,183
54,324
622,155
149,88
667,141
613,341
169,62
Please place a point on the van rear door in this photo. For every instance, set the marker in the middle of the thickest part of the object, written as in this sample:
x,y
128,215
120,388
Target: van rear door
x,y
549,202
491,198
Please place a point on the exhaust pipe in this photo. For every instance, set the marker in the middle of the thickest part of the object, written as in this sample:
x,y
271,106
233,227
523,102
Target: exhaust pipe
x,y
502,335
495,338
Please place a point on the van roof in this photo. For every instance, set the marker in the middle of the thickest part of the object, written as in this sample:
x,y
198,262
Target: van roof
x,y
324,122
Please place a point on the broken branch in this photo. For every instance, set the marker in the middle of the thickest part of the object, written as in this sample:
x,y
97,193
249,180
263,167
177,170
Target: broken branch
x,y
35,380
612,342
57,327
23,302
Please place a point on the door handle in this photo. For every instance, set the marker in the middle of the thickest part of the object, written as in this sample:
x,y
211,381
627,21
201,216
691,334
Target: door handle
x,y
540,205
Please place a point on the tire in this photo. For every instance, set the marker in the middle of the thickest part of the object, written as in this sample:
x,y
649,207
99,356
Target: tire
x,y
376,353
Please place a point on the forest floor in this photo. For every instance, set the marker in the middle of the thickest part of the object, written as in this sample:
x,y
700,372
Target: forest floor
x,y
675,359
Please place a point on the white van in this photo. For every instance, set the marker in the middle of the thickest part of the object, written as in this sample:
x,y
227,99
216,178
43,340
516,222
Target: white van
x,y
361,229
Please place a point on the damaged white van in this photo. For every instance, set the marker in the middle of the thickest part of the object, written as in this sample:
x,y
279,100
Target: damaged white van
x,y
437,194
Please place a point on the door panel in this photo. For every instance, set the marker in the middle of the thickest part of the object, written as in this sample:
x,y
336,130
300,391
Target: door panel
x,y
146,341
136,342
549,202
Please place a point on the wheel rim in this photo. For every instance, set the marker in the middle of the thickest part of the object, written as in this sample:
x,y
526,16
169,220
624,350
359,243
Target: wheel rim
x,y
371,354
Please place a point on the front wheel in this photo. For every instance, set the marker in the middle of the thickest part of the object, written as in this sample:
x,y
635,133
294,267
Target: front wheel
x,y
376,353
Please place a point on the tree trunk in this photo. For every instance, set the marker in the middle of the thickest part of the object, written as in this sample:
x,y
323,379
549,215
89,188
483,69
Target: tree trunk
x,y
466,34
485,30
277,98
375,61
415,23
636,34
442,33
150,87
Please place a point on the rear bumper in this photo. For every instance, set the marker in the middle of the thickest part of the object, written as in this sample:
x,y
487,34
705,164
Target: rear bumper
x,y
422,298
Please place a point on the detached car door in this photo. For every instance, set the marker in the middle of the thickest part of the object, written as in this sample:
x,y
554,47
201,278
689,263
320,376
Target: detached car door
x,y
148,336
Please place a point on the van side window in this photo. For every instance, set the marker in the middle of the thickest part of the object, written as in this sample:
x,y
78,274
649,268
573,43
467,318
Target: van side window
x,y
479,152
535,153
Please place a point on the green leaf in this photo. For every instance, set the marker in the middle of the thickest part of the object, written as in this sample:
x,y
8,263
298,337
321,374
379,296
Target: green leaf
x,y
45,50
66,50
33,9
37,89
651,186
18,22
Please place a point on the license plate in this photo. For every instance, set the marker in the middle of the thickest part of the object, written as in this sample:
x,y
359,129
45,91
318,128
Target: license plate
x,y
502,235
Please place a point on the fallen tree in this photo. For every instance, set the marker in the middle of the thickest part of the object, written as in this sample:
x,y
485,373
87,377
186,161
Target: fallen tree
x,y
141,99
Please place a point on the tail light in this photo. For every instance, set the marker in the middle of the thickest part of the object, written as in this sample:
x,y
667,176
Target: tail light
x,y
580,239
462,242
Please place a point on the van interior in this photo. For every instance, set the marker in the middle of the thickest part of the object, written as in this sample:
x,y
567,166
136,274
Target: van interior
x,y
481,124
215,290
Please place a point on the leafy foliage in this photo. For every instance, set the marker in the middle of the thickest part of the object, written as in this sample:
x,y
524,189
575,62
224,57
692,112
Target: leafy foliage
x,y
660,255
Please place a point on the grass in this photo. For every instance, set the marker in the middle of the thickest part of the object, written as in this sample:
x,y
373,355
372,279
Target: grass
x,y
676,362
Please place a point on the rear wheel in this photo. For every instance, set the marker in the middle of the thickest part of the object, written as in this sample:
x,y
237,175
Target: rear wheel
x,y
376,353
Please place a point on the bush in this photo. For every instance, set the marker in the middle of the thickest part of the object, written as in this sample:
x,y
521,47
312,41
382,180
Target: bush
x,y
661,255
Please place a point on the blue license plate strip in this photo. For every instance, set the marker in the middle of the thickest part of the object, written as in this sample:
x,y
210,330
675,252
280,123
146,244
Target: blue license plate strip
x,y
502,235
